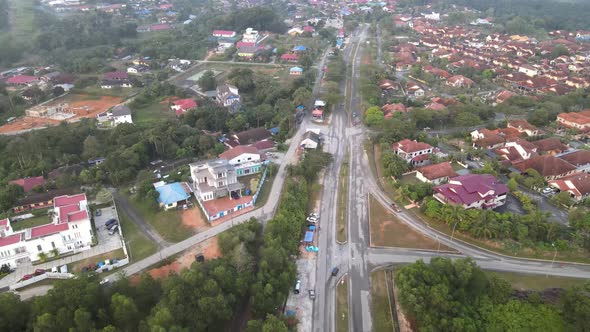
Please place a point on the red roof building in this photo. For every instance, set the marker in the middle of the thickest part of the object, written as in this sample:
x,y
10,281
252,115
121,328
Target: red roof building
x,y
577,185
413,152
436,173
290,57
548,166
29,183
22,80
472,191
115,75
182,106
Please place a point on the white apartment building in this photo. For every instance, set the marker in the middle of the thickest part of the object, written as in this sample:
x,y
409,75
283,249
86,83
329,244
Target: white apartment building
x,y
250,36
69,231
216,178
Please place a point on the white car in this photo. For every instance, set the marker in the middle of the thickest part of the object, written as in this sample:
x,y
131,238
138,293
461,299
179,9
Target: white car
x,y
312,220
314,215
547,190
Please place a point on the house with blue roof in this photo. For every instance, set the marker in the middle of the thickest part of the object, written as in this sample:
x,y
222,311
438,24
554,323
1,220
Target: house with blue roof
x,y
173,194
299,48
295,71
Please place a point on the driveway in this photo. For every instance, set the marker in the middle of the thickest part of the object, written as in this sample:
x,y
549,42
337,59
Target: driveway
x,y
123,204
555,213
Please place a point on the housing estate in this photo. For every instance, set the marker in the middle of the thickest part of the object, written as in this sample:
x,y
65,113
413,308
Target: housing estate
x,y
472,191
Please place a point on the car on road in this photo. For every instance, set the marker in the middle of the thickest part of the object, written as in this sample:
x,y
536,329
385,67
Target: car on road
x,y
395,207
312,294
26,277
104,281
297,287
39,272
335,271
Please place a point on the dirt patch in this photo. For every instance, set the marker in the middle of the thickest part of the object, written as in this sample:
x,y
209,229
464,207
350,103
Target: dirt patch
x,y
27,123
208,248
194,219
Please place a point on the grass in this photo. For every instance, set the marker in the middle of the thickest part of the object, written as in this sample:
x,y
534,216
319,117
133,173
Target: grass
x,y
77,266
381,306
409,179
23,18
40,219
388,231
523,281
167,223
266,187
342,305
341,233
152,114
139,245
116,92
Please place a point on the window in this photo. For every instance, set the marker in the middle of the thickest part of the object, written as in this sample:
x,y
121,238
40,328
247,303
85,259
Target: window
x,y
239,160
53,244
220,183
249,158
219,175
39,248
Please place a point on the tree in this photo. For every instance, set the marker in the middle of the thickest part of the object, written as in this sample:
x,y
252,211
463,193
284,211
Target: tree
x,y
14,314
207,81
562,198
273,324
559,50
124,311
301,96
576,308
373,116
522,316
512,185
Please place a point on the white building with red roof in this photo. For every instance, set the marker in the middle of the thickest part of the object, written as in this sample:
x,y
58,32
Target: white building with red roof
x,y
472,191
68,230
182,106
414,152
436,174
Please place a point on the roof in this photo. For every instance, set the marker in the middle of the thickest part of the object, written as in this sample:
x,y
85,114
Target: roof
x,y
172,193
578,118
288,56
437,171
11,239
550,144
521,125
48,229
312,136
160,27
224,32
410,146
185,104
308,236
237,151
299,48
578,184
43,197
22,79
68,200
546,165
264,144
577,158
29,183
121,110
470,188
298,69
252,135
115,75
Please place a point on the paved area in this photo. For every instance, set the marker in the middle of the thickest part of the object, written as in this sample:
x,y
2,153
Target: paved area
x,y
301,303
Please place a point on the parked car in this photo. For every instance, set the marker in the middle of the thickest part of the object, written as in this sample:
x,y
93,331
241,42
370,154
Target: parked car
x,y
26,277
110,222
39,272
312,294
548,190
104,281
297,287
312,220
98,213
113,230
314,215
335,271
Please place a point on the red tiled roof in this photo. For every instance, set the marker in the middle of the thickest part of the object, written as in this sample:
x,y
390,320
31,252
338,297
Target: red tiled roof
x,y
48,229
550,144
264,144
160,27
437,171
467,189
22,79
238,150
409,146
577,158
185,105
546,165
578,184
29,183
421,157
11,239
289,56
213,207
68,200
241,44
223,32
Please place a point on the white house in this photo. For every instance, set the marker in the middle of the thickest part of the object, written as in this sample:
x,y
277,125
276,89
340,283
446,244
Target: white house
x,y
246,159
121,114
311,140
528,70
68,230
212,179
228,95
414,152
250,36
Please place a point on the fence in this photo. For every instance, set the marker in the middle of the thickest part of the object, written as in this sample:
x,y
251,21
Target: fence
x,y
46,275
109,267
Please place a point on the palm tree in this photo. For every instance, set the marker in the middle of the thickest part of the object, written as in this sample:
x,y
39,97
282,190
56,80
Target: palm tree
x,y
42,256
54,252
454,215
485,225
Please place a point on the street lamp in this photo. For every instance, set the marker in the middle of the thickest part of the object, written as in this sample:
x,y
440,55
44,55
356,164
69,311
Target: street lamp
x,y
554,255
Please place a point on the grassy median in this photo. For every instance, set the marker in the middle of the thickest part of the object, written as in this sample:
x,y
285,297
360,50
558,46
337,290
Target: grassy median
x,y
342,305
342,234
381,302
139,245
537,282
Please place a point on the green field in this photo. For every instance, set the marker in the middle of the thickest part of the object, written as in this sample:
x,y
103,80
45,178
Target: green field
x,y
22,19
266,187
139,245
537,282
152,114
341,228
381,302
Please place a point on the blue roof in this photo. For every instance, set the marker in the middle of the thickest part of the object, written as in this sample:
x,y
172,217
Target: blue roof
x,y
172,193
274,130
299,48
296,69
308,236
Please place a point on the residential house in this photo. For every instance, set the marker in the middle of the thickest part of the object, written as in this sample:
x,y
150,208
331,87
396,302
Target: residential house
x,y
182,106
386,84
528,70
247,137
579,158
472,191
296,71
523,126
23,80
36,201
68,231
295,31
550,167
413,90
459,81
504,95
250,36
310,141
121,114
577,185
575,120
436,173
516,151
29,184
246,50
245,158
551,146
290,57
228,96
223,33
414,152
115,79
173,195
137,69
212,179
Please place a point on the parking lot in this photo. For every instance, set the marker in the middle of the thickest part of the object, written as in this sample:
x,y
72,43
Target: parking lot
x,y
102,234
301,304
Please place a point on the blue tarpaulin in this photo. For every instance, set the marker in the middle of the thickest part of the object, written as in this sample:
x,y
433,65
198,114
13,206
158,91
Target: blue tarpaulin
x,y
308,236
312,228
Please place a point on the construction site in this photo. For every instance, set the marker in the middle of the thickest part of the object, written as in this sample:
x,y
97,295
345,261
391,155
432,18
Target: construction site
x,y
68,108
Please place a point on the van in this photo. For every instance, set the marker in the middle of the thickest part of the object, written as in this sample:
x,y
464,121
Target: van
x,y
113,230
297,287
335,271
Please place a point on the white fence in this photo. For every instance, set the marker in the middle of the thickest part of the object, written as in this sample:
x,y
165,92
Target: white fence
x,y
109,267
46,275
